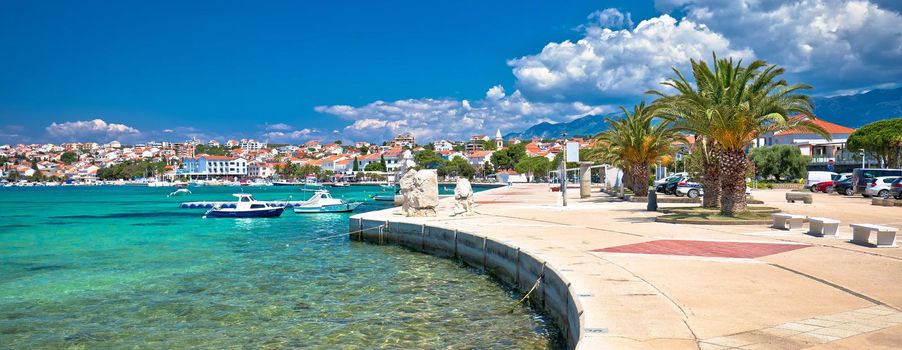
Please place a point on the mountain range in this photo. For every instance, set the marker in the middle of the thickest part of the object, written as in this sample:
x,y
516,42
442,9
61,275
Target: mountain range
x,y
847,110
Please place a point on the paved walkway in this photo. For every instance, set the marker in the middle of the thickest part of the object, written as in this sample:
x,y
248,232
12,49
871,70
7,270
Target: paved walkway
x,y
648,285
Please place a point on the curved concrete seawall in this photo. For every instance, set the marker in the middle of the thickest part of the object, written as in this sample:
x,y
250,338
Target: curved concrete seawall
x,y
508,263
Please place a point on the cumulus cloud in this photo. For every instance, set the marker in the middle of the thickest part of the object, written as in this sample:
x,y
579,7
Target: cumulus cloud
x,y
289,136
91,130
830,44
432,119
610,63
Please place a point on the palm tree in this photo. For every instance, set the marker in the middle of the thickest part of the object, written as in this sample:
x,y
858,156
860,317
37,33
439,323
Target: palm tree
x,y
637,141
732,106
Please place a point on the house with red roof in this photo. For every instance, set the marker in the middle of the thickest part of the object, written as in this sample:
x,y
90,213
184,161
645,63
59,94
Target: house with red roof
x,y
821,150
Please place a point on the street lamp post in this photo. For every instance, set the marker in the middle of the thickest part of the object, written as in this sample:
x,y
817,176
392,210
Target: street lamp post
x,y
564,170
862,158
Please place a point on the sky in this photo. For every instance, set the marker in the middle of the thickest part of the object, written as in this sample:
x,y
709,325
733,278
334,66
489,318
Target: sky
x,y
287,72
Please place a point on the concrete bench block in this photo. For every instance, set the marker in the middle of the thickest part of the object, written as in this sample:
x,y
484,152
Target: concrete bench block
x,y
787,221
822,227
861,234
792,197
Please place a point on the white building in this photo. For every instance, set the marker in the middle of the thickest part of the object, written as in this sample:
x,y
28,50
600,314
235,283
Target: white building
x,y
213,166
443,145
261,169
252,145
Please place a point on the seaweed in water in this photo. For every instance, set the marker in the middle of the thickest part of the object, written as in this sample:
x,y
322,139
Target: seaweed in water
x,y
45,268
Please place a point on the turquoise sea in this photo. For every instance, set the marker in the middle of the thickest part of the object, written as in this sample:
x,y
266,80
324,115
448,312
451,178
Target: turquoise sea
x,y
124,267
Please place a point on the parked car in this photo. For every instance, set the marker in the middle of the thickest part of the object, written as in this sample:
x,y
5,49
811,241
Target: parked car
x,y
861,177
815,177
895,189
880,186
844,187
695,190
829,186
671,177
670,186
689,189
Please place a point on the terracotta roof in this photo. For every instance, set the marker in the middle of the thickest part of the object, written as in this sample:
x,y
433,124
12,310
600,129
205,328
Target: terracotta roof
x,y
478,154
830,127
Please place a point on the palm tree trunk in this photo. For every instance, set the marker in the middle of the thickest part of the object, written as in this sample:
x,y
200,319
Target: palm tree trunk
x,y
711,182
734,165
640,179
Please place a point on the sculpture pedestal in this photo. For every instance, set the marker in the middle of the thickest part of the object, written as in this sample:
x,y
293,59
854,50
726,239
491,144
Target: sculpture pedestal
x,y
585,180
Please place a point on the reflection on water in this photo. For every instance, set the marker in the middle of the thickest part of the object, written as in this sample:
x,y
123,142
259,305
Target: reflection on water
x,y
78,270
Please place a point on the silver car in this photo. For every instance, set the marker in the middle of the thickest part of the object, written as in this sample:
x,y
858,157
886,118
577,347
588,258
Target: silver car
x,y
880,186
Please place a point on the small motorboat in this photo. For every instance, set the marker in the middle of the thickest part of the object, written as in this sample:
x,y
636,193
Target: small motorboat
x,y
323,202
179,192
245,207
340,184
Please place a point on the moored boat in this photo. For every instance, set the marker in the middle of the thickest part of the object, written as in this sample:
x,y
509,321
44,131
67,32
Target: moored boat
x,y
179,192
323,202
246,207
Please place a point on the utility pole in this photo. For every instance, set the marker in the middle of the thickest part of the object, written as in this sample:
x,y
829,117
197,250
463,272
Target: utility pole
x,y
564,170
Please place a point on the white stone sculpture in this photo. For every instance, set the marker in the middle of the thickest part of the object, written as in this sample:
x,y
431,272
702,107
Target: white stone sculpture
x,y
420,192
463,194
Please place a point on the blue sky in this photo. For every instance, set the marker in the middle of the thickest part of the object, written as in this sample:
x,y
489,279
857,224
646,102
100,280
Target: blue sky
x,y
288,72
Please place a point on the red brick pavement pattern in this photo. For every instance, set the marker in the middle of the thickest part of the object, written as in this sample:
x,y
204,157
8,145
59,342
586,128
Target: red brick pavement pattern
x,y
744,250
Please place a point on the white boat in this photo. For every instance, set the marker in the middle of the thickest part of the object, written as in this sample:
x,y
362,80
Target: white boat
x,y
340,184
245,207
159,184
179,192
323,202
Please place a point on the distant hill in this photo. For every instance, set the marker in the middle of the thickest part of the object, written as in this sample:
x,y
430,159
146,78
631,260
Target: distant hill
x,y
856,110
852,111
588,125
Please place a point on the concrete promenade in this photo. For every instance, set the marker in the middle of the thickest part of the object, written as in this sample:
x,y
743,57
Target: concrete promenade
x,y
648,285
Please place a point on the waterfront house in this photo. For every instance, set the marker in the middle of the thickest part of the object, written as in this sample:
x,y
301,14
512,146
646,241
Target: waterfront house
x,y
824,153
479,157
213,166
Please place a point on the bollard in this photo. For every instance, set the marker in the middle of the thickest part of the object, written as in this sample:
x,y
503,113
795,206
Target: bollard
x,y
652,200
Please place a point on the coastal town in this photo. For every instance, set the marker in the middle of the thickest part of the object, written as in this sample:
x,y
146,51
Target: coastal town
x,y
85,163
90,163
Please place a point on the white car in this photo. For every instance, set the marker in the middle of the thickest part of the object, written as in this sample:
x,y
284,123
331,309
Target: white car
x,y
671,177
879,186
695,190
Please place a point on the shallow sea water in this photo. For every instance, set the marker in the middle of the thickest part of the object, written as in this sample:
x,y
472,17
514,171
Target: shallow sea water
x,y
124,267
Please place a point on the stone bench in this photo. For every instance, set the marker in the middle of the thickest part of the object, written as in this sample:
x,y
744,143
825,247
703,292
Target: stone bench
x,y
822,227
787,221
861,234
792,197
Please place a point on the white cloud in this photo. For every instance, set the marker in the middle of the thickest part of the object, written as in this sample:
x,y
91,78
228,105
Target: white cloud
x,y
278,126
91,130
289,136
432,119
617,63
831,44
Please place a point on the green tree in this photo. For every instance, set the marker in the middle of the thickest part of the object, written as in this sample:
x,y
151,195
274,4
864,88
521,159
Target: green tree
x,y
536,166
428,159
363,150
374,166
382,162
457,166
356,167
729,107
69,157
489,145
783,162
638,141
882,139
502,160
